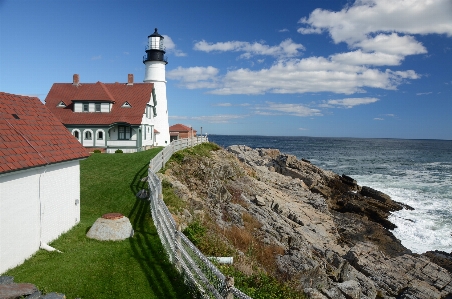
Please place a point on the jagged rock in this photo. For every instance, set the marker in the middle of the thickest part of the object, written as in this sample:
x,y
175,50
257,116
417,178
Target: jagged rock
x,y
325,191
391,275
6,279
35,295
54,296
259,200
420,290
333,293
367,191
313,294
350,288
441,258
16,290
349,181
349,273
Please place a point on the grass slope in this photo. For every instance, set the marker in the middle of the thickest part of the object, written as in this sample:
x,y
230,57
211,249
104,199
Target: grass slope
x,y
133,268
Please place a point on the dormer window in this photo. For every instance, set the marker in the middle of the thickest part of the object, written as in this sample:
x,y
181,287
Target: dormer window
x,y
61,104
85,107
126,105
97,107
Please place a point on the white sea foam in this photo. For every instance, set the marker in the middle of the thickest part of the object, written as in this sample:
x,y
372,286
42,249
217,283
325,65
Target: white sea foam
x,y
429,225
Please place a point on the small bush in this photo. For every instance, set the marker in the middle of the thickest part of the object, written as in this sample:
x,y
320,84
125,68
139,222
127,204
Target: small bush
x,y
172,201
261,285
96,151
195,231
118,151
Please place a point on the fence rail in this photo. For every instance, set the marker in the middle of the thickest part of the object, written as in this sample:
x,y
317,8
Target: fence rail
x,y
199,273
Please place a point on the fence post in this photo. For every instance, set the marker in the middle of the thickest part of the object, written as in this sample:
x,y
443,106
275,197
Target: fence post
x,y
229,283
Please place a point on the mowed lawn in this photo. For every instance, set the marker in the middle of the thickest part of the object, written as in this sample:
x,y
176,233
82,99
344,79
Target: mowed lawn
x,y
134,268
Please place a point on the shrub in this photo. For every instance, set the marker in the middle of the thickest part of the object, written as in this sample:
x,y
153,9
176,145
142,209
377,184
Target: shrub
x,y
118,151
172,201
195,231
96,151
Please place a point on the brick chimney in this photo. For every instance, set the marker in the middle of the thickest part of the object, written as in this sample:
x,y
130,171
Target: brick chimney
x,y
75,79
130,79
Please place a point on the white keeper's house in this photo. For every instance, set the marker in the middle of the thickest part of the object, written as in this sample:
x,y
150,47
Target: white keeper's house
x,y
110,116
39,178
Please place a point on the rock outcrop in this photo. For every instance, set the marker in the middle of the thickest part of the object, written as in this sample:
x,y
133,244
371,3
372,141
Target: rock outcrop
x,y
11,290
335,234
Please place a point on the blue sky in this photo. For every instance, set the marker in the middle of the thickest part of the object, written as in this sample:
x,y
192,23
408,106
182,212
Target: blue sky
x,y
367,68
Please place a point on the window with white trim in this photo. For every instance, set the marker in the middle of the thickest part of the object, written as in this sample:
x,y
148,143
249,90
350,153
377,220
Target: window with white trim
x,y
100,135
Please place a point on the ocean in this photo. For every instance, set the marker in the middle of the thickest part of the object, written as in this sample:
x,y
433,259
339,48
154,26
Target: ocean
x,y
414,172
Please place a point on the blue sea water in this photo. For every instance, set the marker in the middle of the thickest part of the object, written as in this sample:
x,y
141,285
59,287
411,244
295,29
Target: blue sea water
x,y
414,172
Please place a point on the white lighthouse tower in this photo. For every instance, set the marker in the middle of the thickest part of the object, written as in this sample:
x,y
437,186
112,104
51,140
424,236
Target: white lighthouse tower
x,y
155,62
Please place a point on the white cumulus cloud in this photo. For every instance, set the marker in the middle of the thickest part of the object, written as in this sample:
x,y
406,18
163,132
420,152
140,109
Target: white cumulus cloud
x,y
271,108
195,77
286,48
170,46
349,102
354,23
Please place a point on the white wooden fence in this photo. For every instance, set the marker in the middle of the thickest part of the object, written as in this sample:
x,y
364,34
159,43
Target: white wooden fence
x,y
202,276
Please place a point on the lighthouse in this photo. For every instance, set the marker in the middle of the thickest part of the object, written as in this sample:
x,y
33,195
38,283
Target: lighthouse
x,y
155,62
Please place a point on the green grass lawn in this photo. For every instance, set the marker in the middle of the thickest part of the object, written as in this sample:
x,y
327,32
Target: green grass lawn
x,y
134,268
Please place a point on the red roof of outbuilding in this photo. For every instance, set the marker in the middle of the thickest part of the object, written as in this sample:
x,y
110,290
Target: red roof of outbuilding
x,y
32,136
137,95
180,128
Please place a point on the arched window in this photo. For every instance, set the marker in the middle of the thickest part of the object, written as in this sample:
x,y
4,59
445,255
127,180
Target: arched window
x,y
76,134
88,135
100,135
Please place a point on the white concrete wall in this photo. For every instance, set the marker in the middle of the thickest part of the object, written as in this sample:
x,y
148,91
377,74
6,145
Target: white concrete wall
x,y
60,197
19,218
161,123
36,205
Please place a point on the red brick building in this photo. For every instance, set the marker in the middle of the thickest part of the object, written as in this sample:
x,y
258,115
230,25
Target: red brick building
x,y
179,131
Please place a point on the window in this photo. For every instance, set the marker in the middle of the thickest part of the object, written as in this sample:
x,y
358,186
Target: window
x,y
76,135
124,133
85,107
88,135
100,135
97,107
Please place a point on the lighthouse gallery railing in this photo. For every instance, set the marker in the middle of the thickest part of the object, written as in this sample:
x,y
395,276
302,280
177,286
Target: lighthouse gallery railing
x,y
198,272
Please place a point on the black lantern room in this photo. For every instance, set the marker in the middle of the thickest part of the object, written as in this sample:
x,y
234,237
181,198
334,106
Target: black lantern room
x,y
155,51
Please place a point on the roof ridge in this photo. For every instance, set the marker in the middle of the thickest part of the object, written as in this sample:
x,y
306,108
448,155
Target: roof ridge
x,y
105,88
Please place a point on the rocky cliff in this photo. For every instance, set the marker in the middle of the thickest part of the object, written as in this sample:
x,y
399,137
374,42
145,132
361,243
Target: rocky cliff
x,y
328,234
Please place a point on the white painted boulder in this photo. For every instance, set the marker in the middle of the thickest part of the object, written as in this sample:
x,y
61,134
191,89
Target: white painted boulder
x,y
111,227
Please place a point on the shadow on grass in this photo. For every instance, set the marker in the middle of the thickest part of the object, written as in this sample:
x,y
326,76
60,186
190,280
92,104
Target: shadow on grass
x,y
164,281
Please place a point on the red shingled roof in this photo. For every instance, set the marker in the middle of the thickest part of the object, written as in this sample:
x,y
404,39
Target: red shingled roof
x,y
32,136
180,128
137,95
